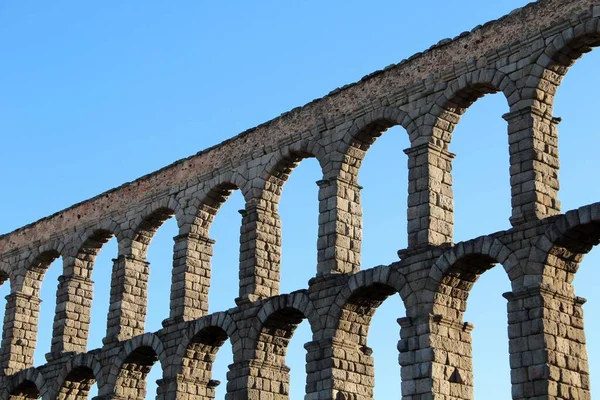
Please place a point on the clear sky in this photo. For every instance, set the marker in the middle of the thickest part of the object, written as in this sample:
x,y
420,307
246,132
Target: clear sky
x,y
97,94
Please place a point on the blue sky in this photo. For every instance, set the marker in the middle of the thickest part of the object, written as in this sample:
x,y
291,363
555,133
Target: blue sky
x,y
98,94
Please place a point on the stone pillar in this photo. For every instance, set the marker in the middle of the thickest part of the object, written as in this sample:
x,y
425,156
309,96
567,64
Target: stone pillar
x,y
191,278
430,197
435,359
340,227
533,146
260,251
184,388
548,356
258,380
127,311
19,333
72,317
337,369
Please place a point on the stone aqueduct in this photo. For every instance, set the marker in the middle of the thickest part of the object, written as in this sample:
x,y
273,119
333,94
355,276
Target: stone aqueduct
x,y
524,55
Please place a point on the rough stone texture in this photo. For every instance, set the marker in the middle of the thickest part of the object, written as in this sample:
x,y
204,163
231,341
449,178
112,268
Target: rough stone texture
x,y
523,55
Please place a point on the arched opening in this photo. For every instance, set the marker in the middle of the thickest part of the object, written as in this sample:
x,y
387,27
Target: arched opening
x,y
575,245
101,276
486,310
272,354
377,237
566,95
384,177
45,272
480,170
296,359
299,212
578,133
134,379
78,384
368,322
205,350
383,337
483,336
571,72
27,390
269,337
220,367
160,257
93,266
155,235
297,205
225,231
153,241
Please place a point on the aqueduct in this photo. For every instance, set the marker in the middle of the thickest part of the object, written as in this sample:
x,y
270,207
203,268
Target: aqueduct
x,y
523,55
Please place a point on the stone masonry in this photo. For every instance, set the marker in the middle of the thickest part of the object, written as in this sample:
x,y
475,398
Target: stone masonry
x,y
523,55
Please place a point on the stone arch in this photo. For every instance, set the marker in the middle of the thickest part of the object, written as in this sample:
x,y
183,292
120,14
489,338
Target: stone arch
x,y
36,265
362,134
455,272
267,342
148,222
25,385
276,321
220,321
77,377
19,336
556,256
127,373
459,95
205,204
557,57
196,353
76,289
193,247
261,234
268,184
352,310
87,246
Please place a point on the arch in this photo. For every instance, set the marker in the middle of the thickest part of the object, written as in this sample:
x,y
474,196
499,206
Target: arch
x,y
217,322
149,220
358,300
362,134
280,165
556,255
89,245
455,272
552,64
269,337
54,246
284,313
27,384
132,365
193,361
205,203
95,237
459,95
78,375
36,265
